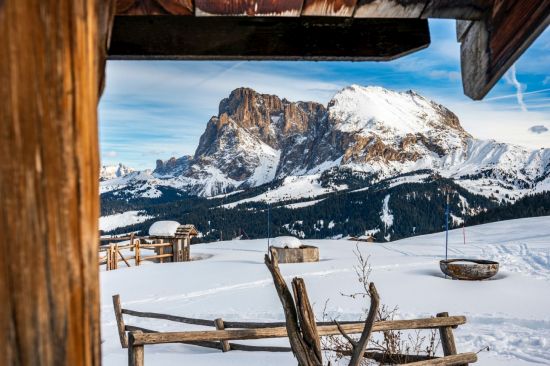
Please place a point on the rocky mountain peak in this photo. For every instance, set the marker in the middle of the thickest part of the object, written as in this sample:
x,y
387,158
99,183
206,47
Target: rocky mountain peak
x,y
259,138
113,171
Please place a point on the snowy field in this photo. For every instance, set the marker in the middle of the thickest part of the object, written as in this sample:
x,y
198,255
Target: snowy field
x,y
510,314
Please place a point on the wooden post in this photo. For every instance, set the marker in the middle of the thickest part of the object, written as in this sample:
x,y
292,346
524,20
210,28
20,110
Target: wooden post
x,y
220,326
138,253
108,259
175,252
161,252
132,242
120,321
447,338
51,73
135,352
115,256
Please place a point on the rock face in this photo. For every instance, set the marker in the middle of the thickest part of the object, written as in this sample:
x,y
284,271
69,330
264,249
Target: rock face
x,y
113,171
259,138
256,138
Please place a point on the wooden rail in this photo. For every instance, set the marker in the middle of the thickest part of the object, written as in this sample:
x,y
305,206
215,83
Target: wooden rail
x,y
113,253
220,338
281,332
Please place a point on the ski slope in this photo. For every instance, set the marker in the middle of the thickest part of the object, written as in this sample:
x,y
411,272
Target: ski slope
x,y
510,314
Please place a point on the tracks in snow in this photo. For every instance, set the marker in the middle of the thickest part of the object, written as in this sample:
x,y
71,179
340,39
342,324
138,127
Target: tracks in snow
x,y
520,258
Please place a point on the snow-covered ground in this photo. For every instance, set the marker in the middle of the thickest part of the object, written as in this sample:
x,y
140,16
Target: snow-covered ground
x,y
510,314
111,222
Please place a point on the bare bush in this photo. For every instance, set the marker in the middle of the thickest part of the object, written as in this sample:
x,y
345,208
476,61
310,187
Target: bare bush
x,y
391,347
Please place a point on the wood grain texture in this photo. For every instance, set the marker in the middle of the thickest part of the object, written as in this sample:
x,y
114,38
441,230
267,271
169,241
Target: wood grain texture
x,y
455,360
51,71
490,46
340,8
287,8
154,7
279,332
266,38
453,9
304,354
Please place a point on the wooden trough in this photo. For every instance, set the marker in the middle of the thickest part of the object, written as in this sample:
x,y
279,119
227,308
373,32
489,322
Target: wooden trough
x,y
469,269
306,253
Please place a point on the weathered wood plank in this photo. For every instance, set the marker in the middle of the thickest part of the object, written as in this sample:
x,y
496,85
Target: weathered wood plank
x,y
280,332
490,46
452,9
339,8
252,38
154,7
51,72
286,8
455,360
217,345
179,319
117,307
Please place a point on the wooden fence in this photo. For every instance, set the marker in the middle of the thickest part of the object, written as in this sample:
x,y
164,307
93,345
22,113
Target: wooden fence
x,y
113,254
135,338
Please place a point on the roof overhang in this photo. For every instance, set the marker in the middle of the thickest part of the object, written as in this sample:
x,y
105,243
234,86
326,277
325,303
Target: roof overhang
x,y
493,33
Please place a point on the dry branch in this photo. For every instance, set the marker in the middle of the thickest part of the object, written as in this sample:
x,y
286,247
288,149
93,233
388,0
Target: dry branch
x,y
306,355
361,345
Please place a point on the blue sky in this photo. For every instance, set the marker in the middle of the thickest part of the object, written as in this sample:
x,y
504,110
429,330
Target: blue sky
x,y
157,109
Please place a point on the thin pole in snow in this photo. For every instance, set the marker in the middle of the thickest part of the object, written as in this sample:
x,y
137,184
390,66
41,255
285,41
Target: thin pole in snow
x,y
268,219
447,227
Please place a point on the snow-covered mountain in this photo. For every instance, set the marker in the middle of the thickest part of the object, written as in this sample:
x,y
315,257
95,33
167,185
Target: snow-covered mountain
x,y
108,172
371,131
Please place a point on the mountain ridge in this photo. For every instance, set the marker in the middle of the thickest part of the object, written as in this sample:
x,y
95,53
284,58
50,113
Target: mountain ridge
x,y
259,139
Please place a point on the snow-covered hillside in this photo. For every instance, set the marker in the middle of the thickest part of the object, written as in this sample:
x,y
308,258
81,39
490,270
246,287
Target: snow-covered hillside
x,y
509,313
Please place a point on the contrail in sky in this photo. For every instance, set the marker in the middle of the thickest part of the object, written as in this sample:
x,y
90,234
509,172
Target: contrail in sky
x,y
511,79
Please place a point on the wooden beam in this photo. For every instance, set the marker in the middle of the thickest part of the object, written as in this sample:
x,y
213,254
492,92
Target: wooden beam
x,y
452,9
51,72
454,360
255,38
490,46
339,8
154,7
286,8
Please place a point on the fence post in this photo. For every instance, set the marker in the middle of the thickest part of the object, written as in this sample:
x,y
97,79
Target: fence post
x,y
120,321
135,352
220,326
115,256
175,252
107,260
138,253
132,242
447,338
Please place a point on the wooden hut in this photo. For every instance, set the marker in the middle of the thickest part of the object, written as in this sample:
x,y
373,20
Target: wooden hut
x,y
178,235
366,238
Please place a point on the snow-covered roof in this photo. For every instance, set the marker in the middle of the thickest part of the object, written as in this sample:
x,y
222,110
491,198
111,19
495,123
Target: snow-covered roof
x,y
286,242
164,228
